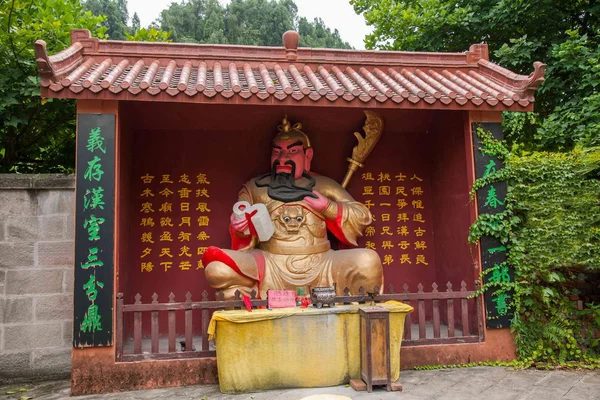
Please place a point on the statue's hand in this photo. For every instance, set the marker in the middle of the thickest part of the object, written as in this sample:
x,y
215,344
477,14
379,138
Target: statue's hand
x,y
318,204
240,225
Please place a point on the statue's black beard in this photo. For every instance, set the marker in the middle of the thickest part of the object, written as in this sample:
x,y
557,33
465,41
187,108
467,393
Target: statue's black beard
x,y
282,185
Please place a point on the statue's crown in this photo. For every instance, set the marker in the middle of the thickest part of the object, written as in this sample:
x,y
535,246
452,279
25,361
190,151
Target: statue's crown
x,y
287,131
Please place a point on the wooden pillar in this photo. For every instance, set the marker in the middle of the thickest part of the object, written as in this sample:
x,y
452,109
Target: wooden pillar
x,y
88,361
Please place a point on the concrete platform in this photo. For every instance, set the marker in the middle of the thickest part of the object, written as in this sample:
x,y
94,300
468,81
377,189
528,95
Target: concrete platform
x,y
487,383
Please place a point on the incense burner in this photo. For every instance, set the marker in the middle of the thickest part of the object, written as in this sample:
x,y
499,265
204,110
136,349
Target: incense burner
x,y
321,296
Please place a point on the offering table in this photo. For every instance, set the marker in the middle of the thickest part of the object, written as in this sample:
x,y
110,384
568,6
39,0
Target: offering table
x,y
295,347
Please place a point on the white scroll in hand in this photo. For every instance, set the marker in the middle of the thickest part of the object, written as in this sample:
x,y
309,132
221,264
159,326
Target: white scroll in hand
x,y
259,218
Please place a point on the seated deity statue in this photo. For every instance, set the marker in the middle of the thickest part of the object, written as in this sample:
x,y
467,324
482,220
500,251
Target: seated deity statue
x,y
302,206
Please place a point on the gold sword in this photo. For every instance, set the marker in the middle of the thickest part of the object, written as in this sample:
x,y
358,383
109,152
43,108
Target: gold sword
x,y
373,128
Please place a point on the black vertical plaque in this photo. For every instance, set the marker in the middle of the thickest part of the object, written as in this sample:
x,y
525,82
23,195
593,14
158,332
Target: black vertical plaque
x,y
94,231
490,200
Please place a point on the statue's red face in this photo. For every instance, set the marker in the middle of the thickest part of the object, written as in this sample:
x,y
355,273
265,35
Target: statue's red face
x,y
291,150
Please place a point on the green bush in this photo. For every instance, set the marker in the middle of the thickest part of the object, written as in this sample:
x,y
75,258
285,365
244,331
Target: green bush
x,y
551,228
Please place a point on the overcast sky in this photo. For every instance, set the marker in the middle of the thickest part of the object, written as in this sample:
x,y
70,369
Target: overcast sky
x,y
337,14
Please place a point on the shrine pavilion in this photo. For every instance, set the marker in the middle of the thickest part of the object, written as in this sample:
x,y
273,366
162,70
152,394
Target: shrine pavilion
x,y
168,132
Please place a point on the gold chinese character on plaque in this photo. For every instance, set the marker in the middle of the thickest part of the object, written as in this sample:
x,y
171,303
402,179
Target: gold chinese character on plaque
x,y
146,252
370,245
185,265
165,237
185,251
385,230
203,220
201,179
166,192
418,217
202,192
421,259
368,191
385,190
402,217
147,266
185,221
404,258
370,231
202,207
166,264
202,236
387,244
184,178
401,203
166,207
147,178
420,245
184,236
417,204
165,221
184,193
401,190
147,221
417,191
415,177
388,259
147,208
400,177
147,193
404,245
419,231
166,178
165,251
383,176
147,237
402,230
367,176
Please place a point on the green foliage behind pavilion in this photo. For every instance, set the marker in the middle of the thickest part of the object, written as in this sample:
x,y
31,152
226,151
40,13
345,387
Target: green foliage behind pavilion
x,y
551,225
249,22
551,228
38,136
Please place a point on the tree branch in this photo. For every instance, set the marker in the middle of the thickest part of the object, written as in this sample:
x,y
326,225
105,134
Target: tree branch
x,y
12,44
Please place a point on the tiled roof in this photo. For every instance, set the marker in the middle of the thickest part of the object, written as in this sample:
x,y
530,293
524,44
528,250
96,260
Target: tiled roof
x,y
92,68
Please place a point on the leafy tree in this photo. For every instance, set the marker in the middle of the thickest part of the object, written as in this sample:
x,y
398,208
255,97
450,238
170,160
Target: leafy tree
x,y
135,22
248,22
116,15
149,35
200,21
563,34
317,34
36,135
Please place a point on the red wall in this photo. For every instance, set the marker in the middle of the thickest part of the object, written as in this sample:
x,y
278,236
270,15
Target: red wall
x,y
451,203
231,145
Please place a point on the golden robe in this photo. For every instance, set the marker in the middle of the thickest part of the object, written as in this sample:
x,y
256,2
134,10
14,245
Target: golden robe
x,y
299,252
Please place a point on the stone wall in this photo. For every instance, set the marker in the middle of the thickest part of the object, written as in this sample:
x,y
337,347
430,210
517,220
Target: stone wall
x,y
36,275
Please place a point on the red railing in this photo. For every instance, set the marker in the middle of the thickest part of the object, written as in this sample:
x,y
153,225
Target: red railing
x,y
428,319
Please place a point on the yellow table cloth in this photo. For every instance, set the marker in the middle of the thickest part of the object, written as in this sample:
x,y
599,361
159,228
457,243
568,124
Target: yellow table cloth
x,y
295,347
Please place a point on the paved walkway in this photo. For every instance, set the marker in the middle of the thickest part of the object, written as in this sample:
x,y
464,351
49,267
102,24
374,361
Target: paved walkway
x,y
485,383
